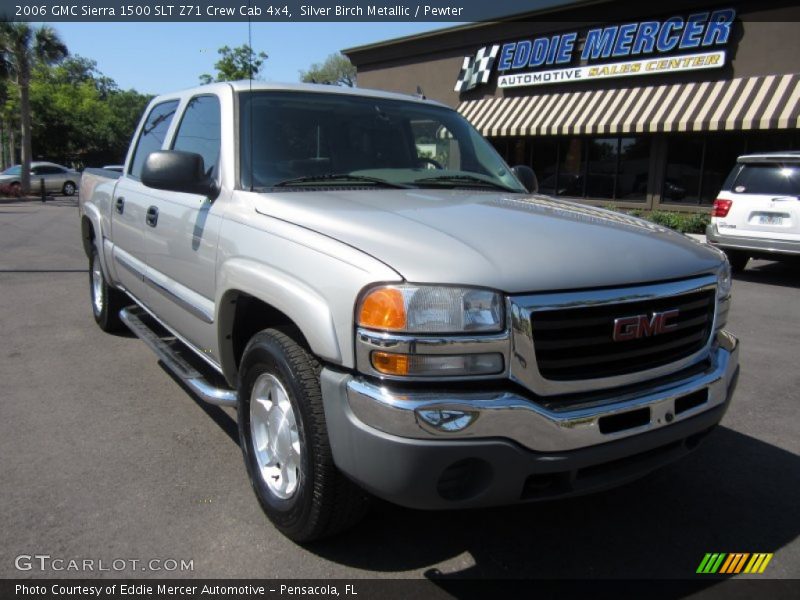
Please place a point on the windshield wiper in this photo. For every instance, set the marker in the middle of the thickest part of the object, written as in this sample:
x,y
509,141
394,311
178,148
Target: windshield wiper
x,y
464,179
339,177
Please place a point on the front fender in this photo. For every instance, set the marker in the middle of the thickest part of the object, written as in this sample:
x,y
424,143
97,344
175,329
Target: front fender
x,y
302,304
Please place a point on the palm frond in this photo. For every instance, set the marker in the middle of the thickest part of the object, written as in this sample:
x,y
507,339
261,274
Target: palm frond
x,y
48,47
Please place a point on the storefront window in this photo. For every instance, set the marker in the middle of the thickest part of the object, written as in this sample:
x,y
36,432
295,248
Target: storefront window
x,y
545,159
772,141
634,169
684,165
602,167
697,165
593,168
571,175
720,157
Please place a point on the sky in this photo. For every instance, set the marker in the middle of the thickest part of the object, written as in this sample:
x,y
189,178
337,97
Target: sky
x,y
164,57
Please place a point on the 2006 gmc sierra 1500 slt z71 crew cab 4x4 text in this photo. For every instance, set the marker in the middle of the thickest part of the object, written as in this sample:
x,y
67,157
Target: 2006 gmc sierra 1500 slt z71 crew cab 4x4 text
x,y
395,312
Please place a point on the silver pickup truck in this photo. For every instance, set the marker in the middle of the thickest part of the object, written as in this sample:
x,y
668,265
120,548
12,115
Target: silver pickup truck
x,y
395,312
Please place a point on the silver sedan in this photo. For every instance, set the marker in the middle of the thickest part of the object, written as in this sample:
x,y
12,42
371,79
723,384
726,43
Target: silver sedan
x,y
57,178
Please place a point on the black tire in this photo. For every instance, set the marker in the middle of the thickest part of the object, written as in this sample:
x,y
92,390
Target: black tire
x,y
111,300
324,502
738,260
69,188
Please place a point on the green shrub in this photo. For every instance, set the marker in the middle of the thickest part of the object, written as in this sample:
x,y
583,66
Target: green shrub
x,y
683,222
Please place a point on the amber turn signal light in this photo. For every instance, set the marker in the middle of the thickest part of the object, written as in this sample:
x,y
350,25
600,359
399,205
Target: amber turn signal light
x,y
390,364
383,308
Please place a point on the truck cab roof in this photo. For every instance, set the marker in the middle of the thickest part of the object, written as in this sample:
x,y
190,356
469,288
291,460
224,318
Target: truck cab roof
x,y
258,86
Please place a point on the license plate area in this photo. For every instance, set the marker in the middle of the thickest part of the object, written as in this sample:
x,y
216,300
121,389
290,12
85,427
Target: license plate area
x,y
765,218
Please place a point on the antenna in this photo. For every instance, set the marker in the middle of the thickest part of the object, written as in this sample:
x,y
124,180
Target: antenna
x,y
250,94
420,93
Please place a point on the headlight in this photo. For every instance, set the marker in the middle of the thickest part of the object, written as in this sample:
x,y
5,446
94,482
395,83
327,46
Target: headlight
x,y
724,280
430,309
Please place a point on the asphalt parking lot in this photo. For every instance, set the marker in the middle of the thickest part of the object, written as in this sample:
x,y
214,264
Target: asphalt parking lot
x,y
105,456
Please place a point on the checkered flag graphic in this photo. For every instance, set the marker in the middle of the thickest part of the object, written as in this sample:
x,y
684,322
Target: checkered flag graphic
x,y
476,69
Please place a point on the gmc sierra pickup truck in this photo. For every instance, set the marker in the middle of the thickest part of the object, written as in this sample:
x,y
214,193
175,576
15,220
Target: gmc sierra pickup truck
x,y
393,311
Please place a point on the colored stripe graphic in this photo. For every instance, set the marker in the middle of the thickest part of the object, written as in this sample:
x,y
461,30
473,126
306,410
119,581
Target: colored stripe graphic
x,y
703,563
729,562
758,563
740,564
711,563
734,563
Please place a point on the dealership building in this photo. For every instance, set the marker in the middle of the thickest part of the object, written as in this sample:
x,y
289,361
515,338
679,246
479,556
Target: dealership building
x,y
614,102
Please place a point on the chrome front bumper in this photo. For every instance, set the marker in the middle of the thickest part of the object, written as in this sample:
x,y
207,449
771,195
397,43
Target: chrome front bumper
x,y
573,424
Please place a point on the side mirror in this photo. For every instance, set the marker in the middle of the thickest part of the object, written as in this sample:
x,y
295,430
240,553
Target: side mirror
x,y
527,178
178,171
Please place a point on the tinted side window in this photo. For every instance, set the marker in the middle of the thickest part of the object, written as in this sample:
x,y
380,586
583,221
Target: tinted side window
x,y
199,130
153,133
778,180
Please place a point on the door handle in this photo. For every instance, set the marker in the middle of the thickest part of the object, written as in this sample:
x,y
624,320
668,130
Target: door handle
x,y
120,205
152,216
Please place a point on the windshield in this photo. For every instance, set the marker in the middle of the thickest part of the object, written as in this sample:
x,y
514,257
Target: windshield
x,y
15,170
303,139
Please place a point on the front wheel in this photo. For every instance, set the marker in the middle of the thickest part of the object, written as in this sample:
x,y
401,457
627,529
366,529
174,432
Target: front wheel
x,y
284,441
107,301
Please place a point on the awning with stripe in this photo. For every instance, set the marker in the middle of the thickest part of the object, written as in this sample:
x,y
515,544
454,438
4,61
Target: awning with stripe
x,y
766,102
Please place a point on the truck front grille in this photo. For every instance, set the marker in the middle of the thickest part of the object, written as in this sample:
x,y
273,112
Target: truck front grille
x,y
578,343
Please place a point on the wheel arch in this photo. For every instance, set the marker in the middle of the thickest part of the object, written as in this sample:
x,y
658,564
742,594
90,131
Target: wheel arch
x,y
256,297
92,236
87,235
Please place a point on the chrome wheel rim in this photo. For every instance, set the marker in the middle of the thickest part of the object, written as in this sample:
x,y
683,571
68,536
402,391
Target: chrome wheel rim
x,y
276,443
97,288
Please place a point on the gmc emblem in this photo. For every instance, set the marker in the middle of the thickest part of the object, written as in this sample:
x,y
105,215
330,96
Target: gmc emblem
x,y
633,328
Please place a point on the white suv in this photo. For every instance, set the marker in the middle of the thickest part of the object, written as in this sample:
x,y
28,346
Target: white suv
x,y
757,213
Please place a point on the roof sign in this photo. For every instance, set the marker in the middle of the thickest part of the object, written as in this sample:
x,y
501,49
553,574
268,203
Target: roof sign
x,y
515,60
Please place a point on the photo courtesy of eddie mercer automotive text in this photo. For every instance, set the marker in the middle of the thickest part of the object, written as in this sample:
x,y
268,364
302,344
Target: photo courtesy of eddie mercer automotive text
x,y
395,312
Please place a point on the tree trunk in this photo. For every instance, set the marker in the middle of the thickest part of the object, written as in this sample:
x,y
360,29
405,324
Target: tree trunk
x,y
25,130
12,146
2,146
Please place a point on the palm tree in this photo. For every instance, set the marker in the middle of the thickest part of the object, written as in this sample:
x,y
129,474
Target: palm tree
x,y
20,47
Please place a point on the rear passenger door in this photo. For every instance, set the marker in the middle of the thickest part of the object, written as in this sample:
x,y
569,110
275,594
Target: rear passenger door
x,y
182,243
131,201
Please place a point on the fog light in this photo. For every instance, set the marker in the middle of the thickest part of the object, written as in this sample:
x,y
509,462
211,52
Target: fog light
x,y
449,421
432,365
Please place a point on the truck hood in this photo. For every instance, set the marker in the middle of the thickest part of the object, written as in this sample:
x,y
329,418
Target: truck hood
x,y
510,242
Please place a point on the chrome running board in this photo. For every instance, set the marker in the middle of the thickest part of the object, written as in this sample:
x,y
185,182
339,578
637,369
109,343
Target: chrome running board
x,y
168,349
